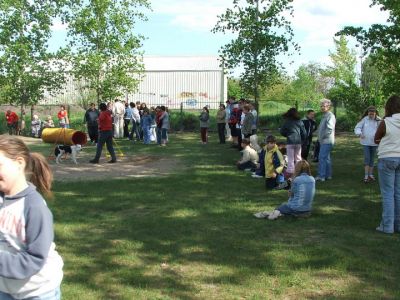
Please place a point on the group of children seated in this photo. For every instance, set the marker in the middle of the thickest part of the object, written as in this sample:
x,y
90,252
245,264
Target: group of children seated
x,y
268,161
38,125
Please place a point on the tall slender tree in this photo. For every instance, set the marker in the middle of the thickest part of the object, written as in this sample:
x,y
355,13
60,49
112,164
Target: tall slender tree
x,y
263,32
27,68
105,52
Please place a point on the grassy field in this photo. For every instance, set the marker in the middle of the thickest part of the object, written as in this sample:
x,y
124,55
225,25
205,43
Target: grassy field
x,y
191,235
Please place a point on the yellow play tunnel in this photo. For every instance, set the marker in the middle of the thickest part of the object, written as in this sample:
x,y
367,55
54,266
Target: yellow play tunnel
x,y
64,136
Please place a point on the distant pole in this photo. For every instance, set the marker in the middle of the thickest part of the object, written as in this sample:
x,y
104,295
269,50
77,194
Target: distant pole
x,y
255,57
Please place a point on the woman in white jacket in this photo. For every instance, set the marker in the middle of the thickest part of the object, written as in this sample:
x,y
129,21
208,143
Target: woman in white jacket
x,y
366,130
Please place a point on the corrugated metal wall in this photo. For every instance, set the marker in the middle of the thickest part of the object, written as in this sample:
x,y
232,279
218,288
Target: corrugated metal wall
x,y
194,89
194,81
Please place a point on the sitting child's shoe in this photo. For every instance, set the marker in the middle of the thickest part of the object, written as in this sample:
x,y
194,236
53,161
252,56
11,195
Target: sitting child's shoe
x,y
275,215
257,176
262,214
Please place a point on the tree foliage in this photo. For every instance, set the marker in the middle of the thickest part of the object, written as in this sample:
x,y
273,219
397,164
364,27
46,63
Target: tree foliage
x,y
27,69
105,50
382,41
344,61
263,32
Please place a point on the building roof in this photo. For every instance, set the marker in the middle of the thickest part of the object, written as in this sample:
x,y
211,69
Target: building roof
x,y
182,63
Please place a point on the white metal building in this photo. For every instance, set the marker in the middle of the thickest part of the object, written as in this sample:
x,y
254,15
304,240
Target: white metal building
x,y
190,81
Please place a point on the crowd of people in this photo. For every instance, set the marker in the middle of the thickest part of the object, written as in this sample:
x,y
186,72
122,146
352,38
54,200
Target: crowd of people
x,y
32,268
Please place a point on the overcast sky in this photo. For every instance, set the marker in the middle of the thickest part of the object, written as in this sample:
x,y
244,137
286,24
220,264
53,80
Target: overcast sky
x,y
182,27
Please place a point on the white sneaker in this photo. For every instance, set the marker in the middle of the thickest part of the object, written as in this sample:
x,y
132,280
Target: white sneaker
x,y
319,179
329,178
256,176
275,215
262,214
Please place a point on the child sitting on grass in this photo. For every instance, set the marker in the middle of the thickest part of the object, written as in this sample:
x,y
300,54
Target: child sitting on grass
x,y
249,157
301,195
274,164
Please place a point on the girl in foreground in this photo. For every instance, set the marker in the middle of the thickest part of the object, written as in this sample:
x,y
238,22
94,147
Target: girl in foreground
x,y
30,267
301,195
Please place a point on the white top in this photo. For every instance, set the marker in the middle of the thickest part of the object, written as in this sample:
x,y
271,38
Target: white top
x,y
390,143
366,129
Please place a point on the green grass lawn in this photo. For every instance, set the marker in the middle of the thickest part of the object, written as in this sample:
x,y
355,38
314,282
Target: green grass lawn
x,y
191,234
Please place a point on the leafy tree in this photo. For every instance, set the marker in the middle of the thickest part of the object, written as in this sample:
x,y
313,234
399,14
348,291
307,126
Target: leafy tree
x,y
305,86
382,40
263,33
344,62
234,88
105,50
27,69
372,81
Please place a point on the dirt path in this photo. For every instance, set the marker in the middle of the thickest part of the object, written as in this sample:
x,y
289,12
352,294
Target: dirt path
x,y
127,166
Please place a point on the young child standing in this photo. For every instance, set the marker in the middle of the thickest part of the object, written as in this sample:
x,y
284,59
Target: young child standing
x,y
31,268
366,130
301,194
36,126
145,123
274,164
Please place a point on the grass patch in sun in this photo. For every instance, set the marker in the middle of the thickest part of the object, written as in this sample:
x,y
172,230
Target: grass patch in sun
x,y
191,234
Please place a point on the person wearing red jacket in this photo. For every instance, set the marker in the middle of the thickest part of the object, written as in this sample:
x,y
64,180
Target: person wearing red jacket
x,y
12,122
105,134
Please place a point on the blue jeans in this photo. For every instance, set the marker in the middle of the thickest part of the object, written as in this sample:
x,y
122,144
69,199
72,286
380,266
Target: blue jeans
x,y
52,295
146,135
135,130
369,155
286,210
324,158
389,183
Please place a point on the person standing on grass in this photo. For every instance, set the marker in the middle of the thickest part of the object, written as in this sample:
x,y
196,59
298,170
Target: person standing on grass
x,y
90,119
145,123
221,122
12,122
127,119
30,268
248,120
105,135
295,133
326,138
62,116
204,124
164,120
388,138
301,194
310,126
255,116
227,116
366,130
118,111
135,122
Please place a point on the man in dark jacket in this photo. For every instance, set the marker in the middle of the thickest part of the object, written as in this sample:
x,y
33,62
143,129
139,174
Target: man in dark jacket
x,y
91,117
310,125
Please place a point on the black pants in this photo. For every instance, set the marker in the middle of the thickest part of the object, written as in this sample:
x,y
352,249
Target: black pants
x,y
246,165
105,137
93,133
221,133
270,183
305,150
126,127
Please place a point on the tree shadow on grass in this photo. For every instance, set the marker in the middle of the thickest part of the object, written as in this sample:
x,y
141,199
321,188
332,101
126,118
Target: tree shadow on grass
x,y
176,236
